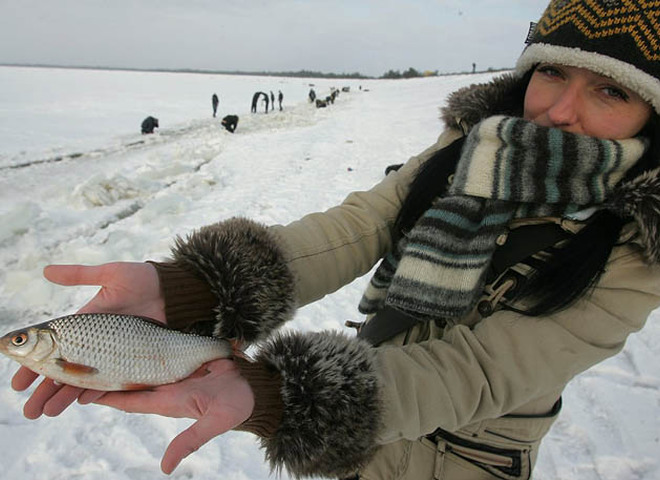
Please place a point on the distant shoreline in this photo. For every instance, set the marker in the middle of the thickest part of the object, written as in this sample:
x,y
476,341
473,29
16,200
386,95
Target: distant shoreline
x,y
298,74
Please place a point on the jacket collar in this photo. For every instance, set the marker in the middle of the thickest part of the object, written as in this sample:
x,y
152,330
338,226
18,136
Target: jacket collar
x,y
638,199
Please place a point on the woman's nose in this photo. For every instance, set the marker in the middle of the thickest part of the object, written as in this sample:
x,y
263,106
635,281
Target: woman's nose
x,y
563,110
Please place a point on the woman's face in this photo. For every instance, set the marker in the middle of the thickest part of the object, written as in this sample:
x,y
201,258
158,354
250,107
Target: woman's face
x,y
578,100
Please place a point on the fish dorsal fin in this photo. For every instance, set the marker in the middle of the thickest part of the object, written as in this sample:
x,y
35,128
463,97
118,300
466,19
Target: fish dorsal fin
x,y
75,368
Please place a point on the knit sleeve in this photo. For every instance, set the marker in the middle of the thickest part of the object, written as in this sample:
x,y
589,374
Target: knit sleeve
x,y
266,384
188,299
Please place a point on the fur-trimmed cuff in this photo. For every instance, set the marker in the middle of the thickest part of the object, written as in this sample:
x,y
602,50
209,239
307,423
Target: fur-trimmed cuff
x,y
246,270
331,408
639,199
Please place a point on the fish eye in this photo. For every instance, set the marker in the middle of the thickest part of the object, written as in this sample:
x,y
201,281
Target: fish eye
x,y
19,339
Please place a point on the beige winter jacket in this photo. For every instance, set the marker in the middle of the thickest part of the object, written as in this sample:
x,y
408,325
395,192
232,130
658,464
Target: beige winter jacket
x,y
470,399
496,380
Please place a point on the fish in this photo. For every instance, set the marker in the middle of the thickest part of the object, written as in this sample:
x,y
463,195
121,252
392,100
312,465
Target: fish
x,y
111,352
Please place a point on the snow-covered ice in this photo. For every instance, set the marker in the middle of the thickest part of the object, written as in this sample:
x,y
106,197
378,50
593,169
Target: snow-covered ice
x,y
80,184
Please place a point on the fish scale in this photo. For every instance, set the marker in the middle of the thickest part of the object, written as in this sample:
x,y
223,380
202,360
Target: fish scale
x,y
111,351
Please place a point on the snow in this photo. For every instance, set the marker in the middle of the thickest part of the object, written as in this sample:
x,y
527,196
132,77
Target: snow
x,y
80,184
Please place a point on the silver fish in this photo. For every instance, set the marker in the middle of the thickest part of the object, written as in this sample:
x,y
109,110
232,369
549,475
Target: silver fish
x,y
110,352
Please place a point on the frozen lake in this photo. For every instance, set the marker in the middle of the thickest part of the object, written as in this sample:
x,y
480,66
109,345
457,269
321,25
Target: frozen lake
x,y
80,184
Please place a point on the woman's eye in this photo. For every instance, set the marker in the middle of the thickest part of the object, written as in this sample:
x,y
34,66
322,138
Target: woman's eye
x,y
615,92
549,70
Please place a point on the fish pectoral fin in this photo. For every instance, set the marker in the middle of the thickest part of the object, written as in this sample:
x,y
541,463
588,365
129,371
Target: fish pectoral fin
x,y
75,368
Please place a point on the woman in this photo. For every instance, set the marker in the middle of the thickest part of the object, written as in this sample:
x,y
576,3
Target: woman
x,y
517,252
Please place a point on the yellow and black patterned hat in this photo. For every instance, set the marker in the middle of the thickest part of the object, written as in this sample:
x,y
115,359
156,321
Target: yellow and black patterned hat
x,y
616,38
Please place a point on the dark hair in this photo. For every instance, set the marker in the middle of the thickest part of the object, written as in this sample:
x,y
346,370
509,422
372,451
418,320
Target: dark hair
x,y
573,269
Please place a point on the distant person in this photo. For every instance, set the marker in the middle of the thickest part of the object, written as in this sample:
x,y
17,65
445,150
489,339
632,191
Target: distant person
x,y
255,101
148,125
280,97
272,100
266,102
230,122
215,101
312,95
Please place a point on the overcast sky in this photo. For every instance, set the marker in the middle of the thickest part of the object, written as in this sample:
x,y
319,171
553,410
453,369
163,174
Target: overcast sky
x,y
340,36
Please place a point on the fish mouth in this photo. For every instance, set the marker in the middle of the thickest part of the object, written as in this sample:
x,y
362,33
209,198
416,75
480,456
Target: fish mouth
x,y
8,348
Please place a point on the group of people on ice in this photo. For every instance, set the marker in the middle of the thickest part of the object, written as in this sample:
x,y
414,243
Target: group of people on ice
x,y
267,100
322,103
230,122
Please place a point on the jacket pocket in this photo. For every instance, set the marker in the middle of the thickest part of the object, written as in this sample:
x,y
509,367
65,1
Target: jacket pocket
x,y
501,463
505,447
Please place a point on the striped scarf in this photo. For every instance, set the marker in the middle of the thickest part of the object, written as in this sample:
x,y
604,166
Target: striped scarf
x,y
509,168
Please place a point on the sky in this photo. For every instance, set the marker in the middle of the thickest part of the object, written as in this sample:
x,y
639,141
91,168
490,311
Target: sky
x,y
338,36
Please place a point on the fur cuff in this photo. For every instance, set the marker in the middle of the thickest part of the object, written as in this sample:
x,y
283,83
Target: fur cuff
x,y
639,199
332,410
246,269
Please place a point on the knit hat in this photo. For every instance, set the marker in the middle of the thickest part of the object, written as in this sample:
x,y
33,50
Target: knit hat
x,y
616,38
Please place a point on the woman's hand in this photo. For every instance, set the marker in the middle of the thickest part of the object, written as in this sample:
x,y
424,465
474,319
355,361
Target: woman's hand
x,y
217,396
131,288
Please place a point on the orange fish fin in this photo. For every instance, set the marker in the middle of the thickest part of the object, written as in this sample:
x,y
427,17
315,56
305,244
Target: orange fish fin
x,y
137,386
75,368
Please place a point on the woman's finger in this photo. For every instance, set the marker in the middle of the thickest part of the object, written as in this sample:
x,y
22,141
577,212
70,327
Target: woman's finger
x,y
59,402
90,396
74,274
190,440
34,407
23,378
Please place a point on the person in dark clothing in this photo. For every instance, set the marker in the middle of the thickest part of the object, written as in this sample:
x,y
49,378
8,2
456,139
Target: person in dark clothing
x,y
148,124
272,100
255,100
230,122
266,102
280,97
312,95
215,101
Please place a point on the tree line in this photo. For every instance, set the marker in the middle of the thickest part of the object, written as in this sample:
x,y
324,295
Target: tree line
x,y
390,74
